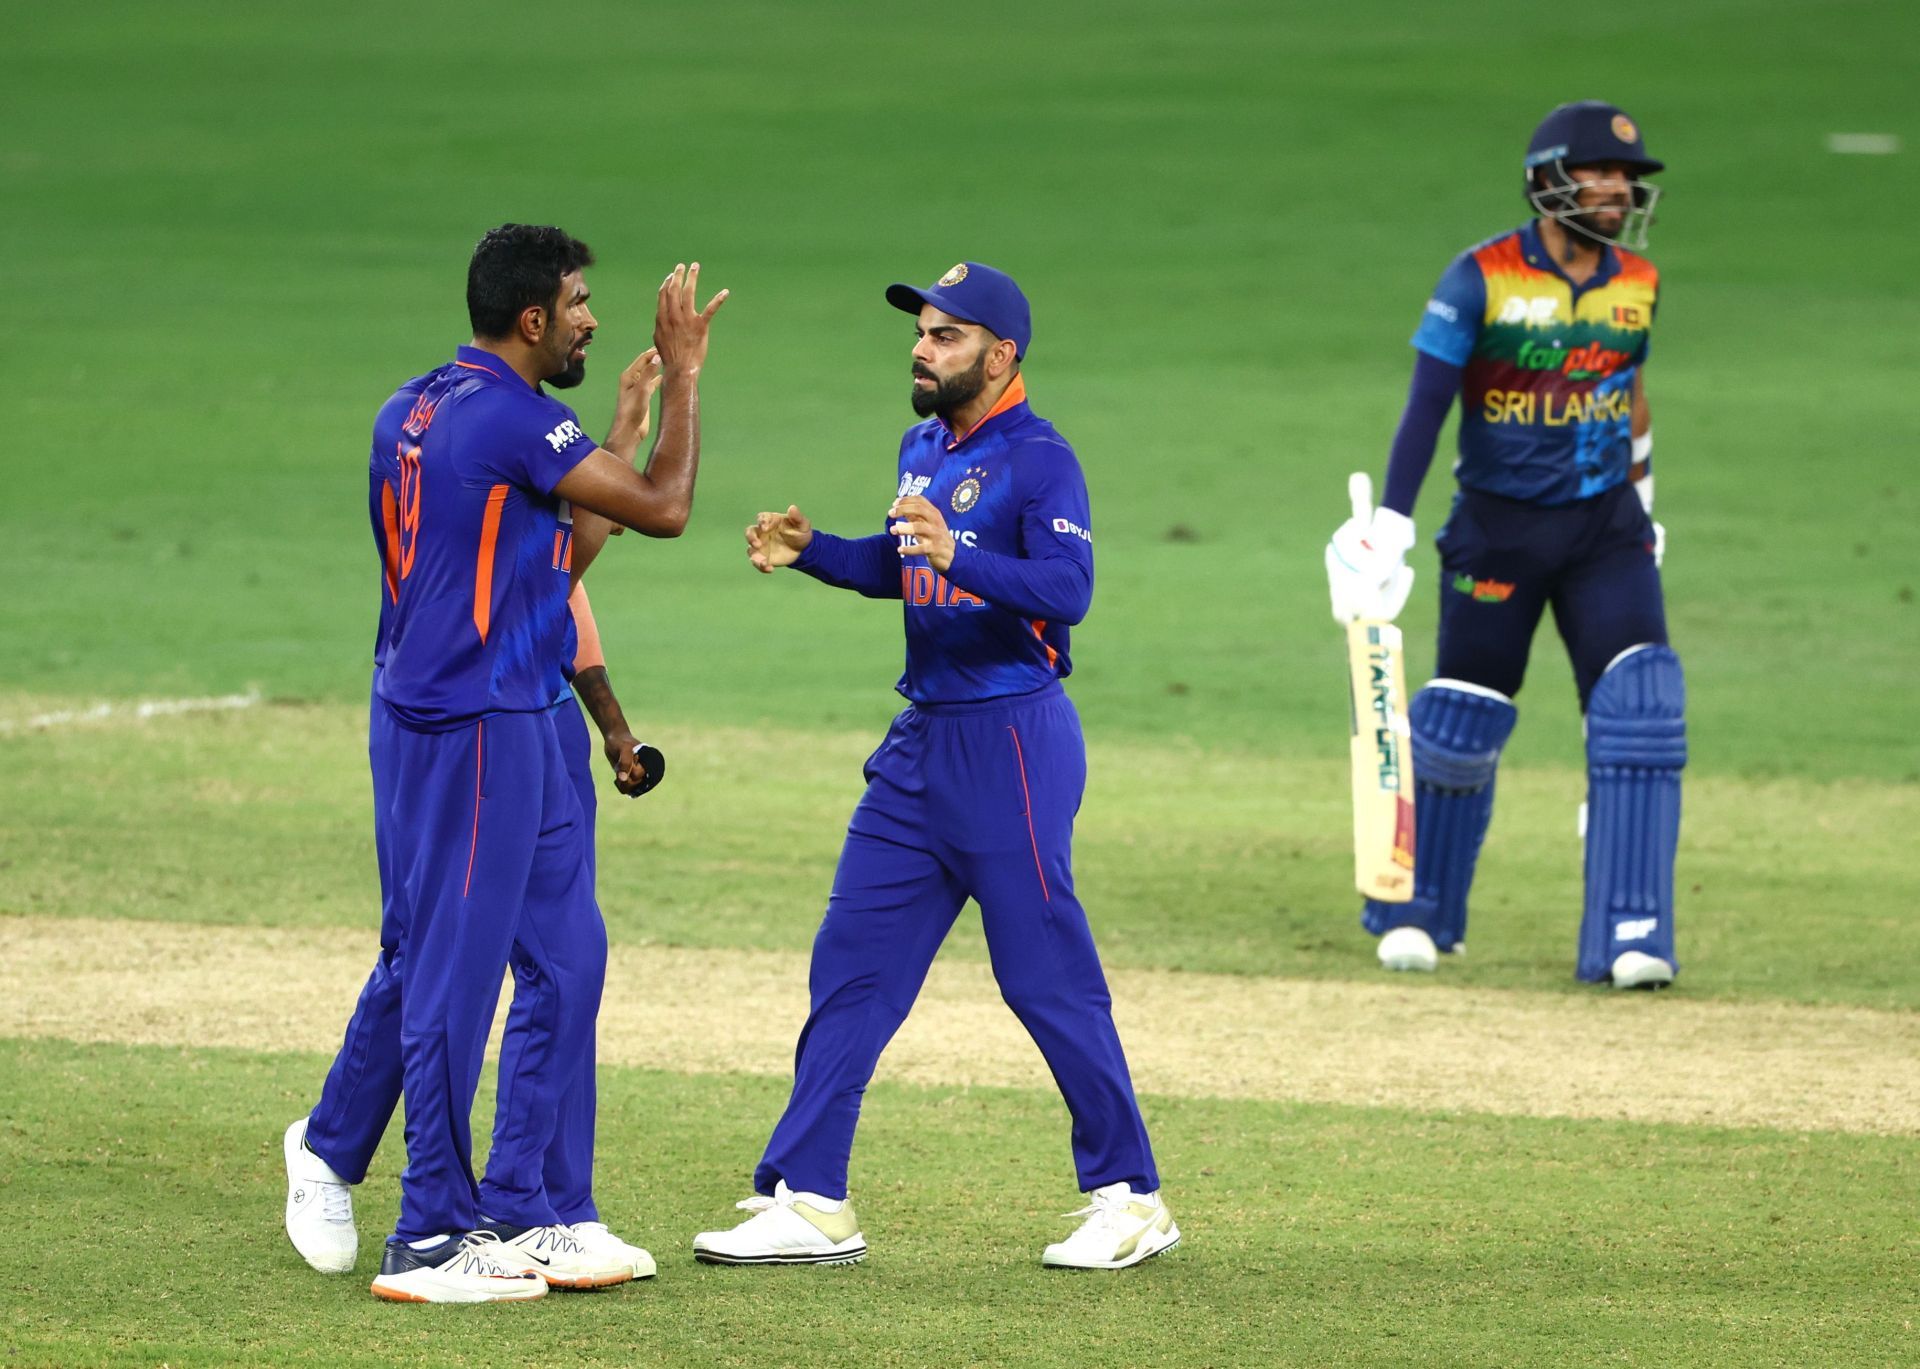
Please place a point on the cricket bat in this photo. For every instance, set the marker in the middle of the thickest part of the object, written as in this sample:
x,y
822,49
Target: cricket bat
x,y
1382,750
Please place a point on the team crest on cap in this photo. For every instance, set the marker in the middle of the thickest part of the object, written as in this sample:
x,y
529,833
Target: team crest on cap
x,y
959,273
1624,130
967,493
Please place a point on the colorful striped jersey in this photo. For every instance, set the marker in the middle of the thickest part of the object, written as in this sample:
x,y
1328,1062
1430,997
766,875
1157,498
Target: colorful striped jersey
x,y
476,550
1546,393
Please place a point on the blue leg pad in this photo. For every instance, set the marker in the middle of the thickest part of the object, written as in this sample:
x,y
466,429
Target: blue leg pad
x,y
1457,738
1636,746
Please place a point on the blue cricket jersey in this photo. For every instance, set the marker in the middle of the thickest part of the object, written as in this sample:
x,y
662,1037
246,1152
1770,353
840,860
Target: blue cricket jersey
x,y
996,624
476,550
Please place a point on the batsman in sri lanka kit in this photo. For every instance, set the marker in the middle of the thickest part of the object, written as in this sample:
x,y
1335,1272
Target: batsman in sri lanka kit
x,y
1543,334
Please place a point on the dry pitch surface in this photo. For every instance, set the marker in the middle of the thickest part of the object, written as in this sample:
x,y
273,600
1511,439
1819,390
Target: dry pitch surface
x,y
1390,1043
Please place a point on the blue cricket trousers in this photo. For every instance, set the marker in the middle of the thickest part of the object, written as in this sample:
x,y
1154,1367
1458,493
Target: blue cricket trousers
x,y
364,1083
962,800
1502,562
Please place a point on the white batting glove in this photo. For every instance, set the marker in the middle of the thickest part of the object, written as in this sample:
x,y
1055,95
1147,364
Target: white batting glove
x,y
1367,571
1644,488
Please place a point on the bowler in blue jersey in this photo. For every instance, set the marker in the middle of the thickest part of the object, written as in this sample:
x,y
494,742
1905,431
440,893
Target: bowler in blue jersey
x,y
488,499
988,545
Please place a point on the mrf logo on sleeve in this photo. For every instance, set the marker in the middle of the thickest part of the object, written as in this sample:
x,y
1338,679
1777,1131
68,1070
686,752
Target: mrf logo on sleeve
x,y
564,436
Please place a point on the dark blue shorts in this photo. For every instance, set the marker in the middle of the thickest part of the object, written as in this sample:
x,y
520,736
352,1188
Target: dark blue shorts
x,y
1503,561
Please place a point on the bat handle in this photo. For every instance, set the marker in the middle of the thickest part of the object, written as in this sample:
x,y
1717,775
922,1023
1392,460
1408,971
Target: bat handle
x,y
1360,495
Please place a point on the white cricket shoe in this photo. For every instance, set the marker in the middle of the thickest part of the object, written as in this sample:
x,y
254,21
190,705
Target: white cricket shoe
x,y
788,1228
1121,1228
459,1269
560,1257
1408,948
1638,970
319,1207
597,1239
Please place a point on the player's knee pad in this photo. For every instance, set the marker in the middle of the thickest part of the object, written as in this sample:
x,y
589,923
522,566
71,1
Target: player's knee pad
x,y
1459,731
1636,747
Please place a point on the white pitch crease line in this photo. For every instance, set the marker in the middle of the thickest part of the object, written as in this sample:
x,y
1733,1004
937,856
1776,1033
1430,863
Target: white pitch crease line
x,y
146,708
1864,144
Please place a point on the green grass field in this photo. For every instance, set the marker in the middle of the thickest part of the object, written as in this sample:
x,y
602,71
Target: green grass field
x,y
234,229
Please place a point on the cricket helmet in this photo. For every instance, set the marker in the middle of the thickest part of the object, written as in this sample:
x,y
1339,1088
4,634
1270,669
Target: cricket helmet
x,y
1590,133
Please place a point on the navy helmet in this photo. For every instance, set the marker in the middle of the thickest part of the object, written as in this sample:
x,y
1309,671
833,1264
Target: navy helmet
x,y
1590,133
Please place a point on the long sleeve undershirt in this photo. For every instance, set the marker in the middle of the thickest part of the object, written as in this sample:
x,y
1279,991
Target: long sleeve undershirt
x,y
1429,397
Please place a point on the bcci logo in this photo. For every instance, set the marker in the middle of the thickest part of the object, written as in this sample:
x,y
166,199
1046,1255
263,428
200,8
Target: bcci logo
x,y
959,273
967,493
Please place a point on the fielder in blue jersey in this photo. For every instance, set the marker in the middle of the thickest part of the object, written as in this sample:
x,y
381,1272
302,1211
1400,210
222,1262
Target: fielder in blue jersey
x,y
1543,334
973,793
489,499
329,1150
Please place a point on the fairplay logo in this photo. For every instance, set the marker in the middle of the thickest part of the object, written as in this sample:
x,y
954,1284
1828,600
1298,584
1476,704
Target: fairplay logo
x,y
1483,591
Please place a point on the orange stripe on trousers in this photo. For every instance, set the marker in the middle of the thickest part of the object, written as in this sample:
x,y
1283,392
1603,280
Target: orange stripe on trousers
x,y
479,745
1020,757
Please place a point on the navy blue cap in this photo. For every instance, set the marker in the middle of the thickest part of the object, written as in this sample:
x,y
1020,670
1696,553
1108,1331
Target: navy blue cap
x,y
976,294
1587,133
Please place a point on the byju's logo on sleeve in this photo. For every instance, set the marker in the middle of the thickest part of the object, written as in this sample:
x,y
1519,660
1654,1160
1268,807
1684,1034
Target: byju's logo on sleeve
x,y
1070,529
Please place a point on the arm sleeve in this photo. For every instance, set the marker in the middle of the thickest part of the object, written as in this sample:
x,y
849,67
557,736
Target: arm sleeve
x,y
1435,383
1052,579
533,443
1451,324
870,565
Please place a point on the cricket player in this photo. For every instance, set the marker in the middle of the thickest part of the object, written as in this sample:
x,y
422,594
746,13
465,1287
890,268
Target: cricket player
x,y
1543,334
989,547
330,1149
482,830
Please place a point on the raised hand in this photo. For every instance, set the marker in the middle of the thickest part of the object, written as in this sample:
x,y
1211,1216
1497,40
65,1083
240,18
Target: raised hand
x,y
679,328
777,539
1367,571
633,409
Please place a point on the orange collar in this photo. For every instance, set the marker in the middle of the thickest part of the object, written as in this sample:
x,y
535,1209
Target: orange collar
x,y
1015,393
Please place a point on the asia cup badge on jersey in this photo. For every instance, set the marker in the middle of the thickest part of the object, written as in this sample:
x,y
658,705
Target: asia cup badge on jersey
x,y
967,493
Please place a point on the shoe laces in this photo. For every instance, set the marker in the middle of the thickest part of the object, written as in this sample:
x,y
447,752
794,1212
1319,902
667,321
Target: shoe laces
x,y
336,1203
560,1239
759,1202
1105,1209
481,1254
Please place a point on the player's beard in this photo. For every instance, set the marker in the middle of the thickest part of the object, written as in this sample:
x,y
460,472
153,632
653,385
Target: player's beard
x,y
1586,222
572,372
950,392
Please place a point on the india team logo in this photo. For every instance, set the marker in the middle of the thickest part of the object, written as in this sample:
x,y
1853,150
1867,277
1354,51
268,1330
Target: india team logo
x,y
1624,130
955,276
967,493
